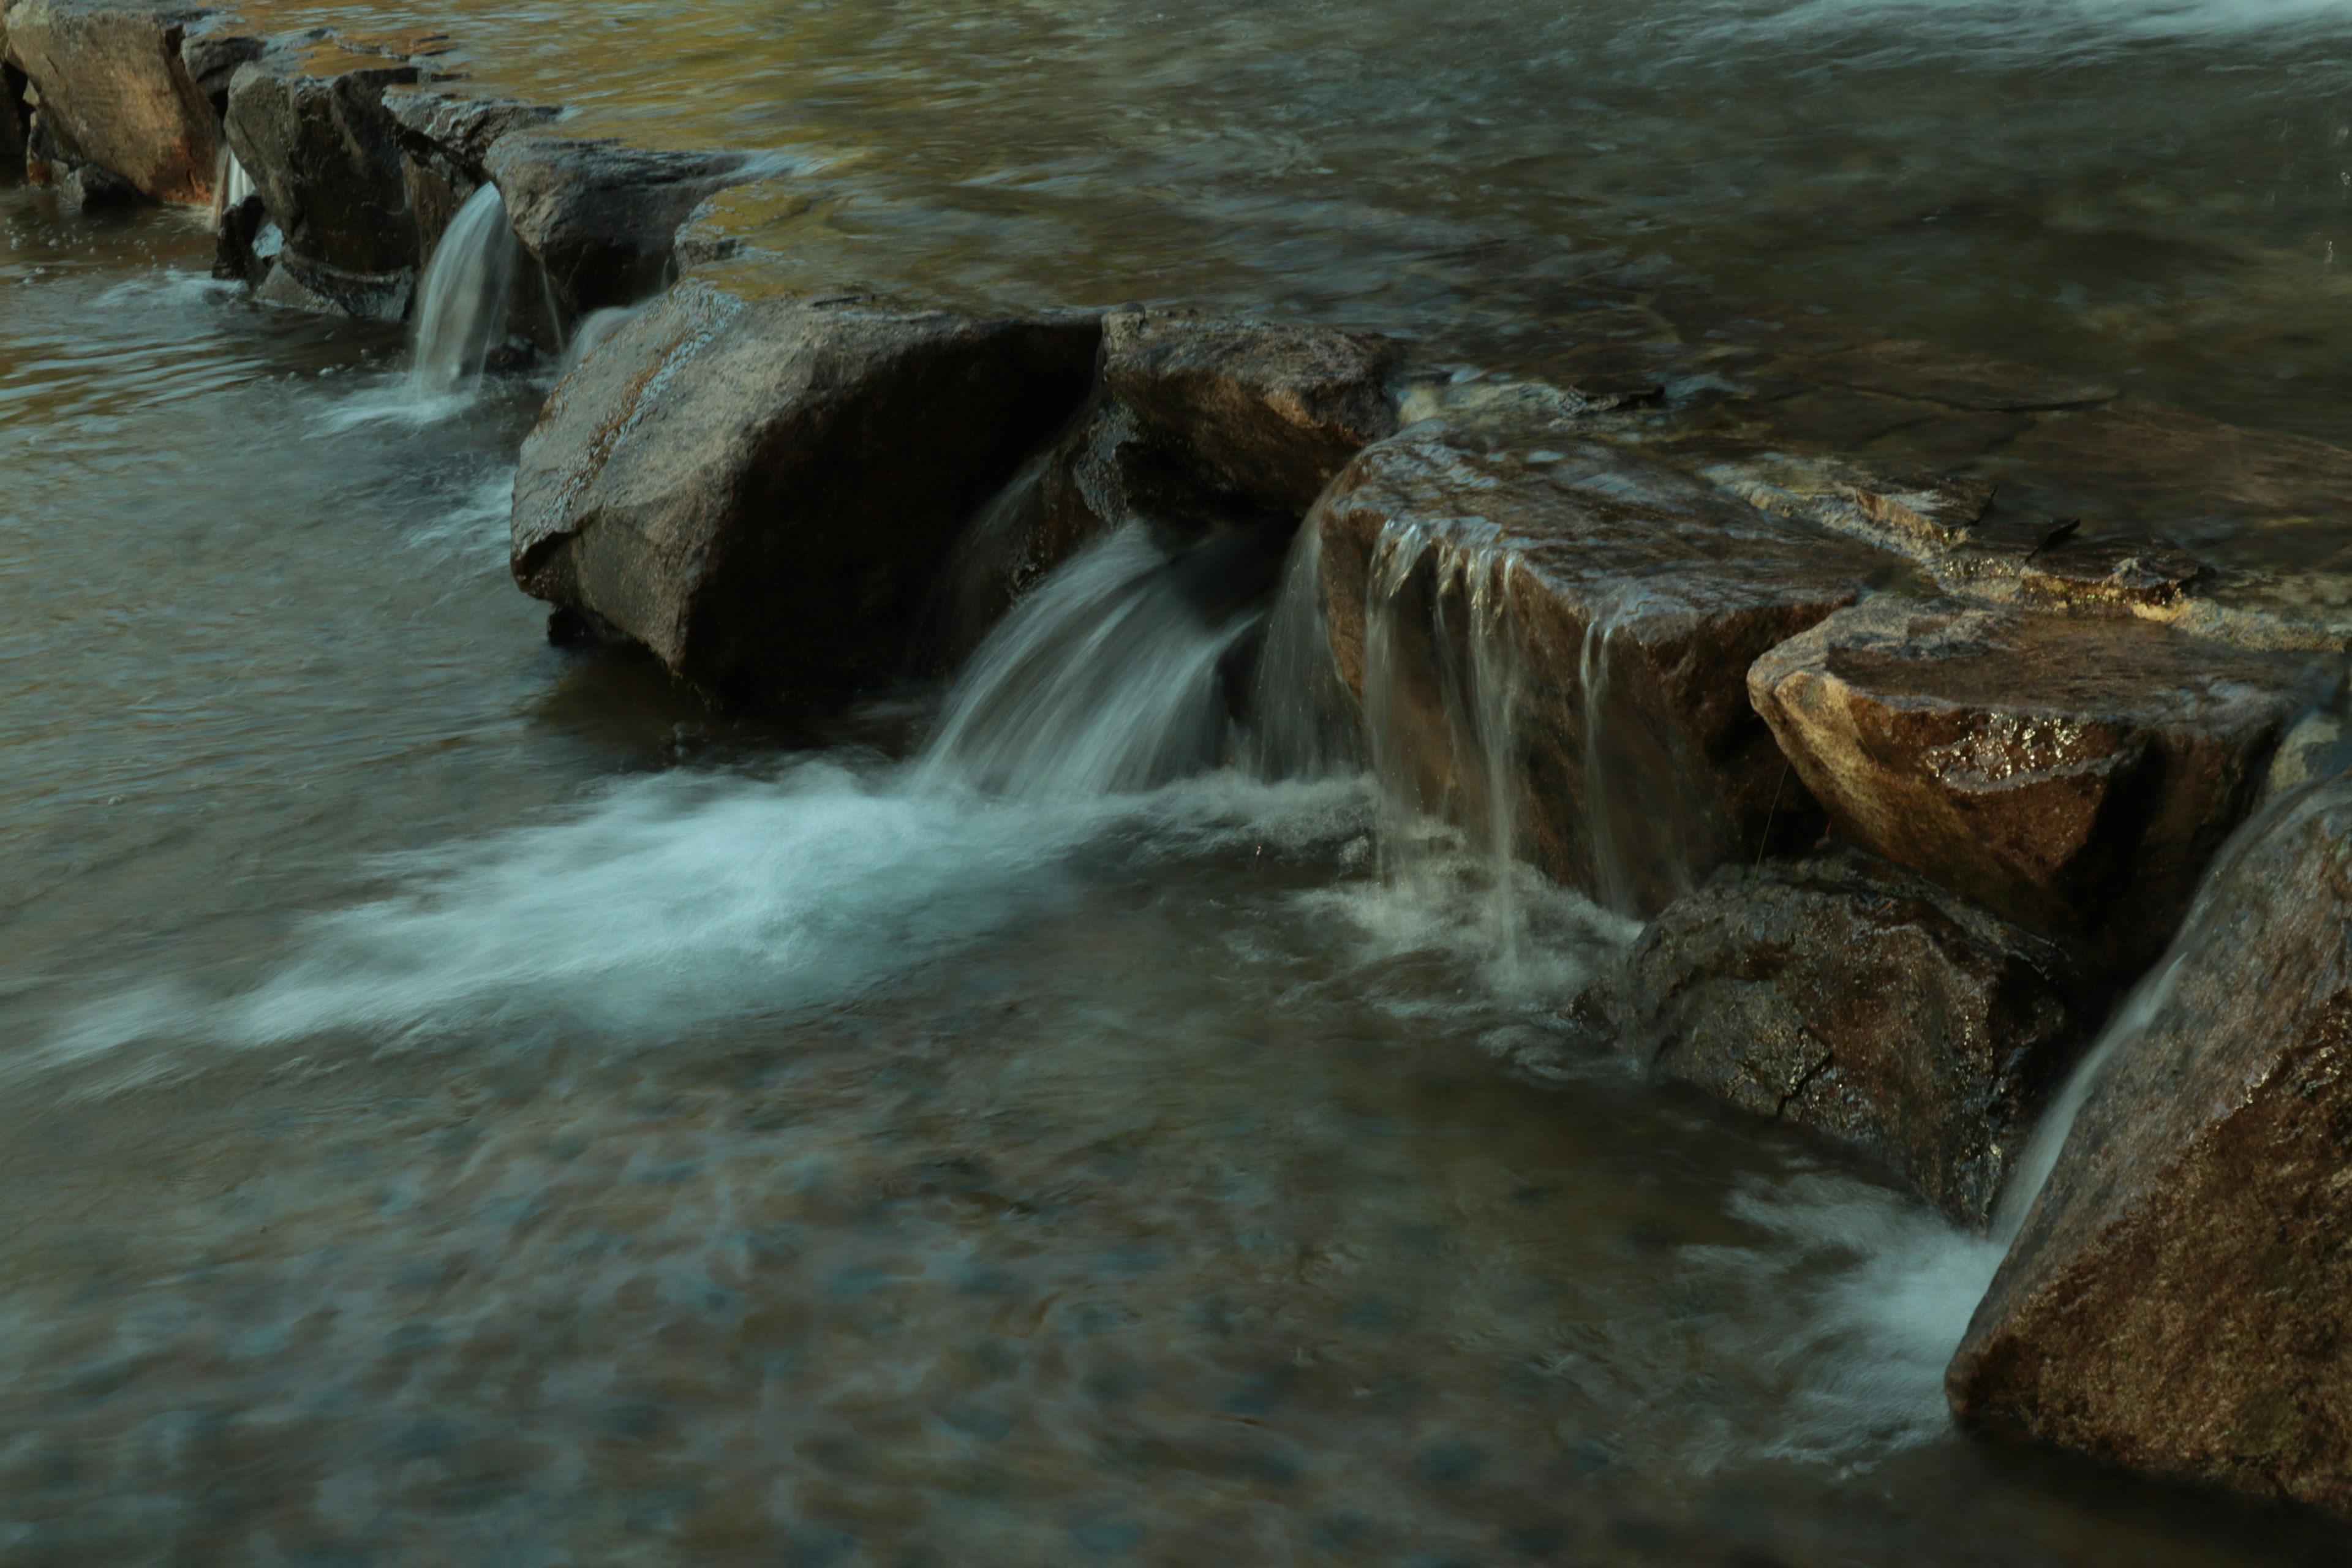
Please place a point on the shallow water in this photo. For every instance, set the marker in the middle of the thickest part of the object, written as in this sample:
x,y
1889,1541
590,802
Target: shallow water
x,y
460,1101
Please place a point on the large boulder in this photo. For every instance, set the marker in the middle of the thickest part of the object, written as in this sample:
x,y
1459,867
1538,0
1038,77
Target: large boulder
x,y
2072,773
2179,1297
602,218
1840,994
310,127
1563,625
762,492
115,92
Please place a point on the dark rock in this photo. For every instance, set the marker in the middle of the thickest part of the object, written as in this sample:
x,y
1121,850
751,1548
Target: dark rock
x,y
1617,601
600,218
1268,413
14,110
2072,773
210,55
1927,372
114,91
447,138
235,254
311,130
89,188
762,492
2179,1297
1841,995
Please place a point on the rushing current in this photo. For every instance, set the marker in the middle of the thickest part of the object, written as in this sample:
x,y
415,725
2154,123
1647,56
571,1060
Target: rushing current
x,y
464,1101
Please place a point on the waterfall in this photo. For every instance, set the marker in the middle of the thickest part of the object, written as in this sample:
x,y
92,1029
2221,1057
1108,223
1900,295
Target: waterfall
x,y
1303,725
1612,884
1110,677
462,314
594,327
2131,1019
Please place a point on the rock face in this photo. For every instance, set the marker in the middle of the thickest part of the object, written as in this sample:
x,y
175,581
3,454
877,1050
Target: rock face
x,y
2180,1296
114,91
602,217
311,130
1564,626
2072,773
761,494
446,139
1840,994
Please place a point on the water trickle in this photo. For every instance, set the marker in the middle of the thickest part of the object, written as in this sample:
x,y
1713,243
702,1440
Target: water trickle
x,y
595,328
1303,724
462,314
1110,677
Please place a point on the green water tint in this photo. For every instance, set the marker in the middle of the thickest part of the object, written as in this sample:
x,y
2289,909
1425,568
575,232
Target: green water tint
x,y
1156,1188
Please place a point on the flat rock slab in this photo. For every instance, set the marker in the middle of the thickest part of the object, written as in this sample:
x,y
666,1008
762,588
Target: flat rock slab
x,y
1598,607
115,92
2072,773
1840,994
2179,1299
602,218
762,492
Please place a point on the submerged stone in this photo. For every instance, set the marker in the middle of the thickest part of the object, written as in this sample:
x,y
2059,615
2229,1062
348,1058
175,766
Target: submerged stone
x,y
2072,773
1564,634
2179,1297
761,494
115,92
602,217
1841,995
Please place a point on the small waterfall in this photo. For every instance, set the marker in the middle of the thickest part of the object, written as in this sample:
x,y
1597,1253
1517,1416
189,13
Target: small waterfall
x,y
1303,724
1612,884
596,326
2131,1019
462,314
1110,677
231,186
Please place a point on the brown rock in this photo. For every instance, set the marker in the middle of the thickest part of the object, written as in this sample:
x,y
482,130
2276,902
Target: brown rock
x,y
1269,412
2179,1299
115,92
2074,774
602,218
1840,994
763,493
1612,604
310,128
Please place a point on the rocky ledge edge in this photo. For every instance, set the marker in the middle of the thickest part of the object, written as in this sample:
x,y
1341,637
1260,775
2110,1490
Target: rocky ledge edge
x,y
1869,676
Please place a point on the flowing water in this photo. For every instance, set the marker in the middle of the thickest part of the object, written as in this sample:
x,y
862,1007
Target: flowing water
x,y
461,1100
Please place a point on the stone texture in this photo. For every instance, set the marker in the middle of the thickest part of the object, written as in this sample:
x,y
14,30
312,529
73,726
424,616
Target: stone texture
x,y
1840,994
114,91
2072,773
311,130
763,493
446,138
1620,601
2179,1299
1267,413
600,218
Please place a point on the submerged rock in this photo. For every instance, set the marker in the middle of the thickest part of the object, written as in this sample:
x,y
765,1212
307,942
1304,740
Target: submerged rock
x,y
115,92
311,130
602,217
761,494
2072,773
1841,995
2179,1297
1567,630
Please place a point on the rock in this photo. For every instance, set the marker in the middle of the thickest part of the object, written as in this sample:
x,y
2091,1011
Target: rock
x,y
447,138
14,110
1267,413
1927,372
89,188
2070,774
311,130
2179,1297
211,54
237,252
115,92
1840,994
762,492
600,218
1503,563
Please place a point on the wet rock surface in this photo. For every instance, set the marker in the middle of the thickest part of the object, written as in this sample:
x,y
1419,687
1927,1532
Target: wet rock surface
x,y
602,217
2176,1299
1603,609
446,138
1838,994
763,493
311,129
2072,773
115,93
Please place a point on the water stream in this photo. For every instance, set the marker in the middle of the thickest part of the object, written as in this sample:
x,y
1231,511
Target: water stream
x,y
462,1099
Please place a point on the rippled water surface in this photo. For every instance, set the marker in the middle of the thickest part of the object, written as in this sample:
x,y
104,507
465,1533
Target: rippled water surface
x,y
462,1101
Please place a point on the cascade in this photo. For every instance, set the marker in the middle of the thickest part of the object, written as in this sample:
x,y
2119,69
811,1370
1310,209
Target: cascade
x,y
461,315
1303,723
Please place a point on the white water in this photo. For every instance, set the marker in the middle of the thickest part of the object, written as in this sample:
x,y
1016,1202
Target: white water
x,y
461,313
